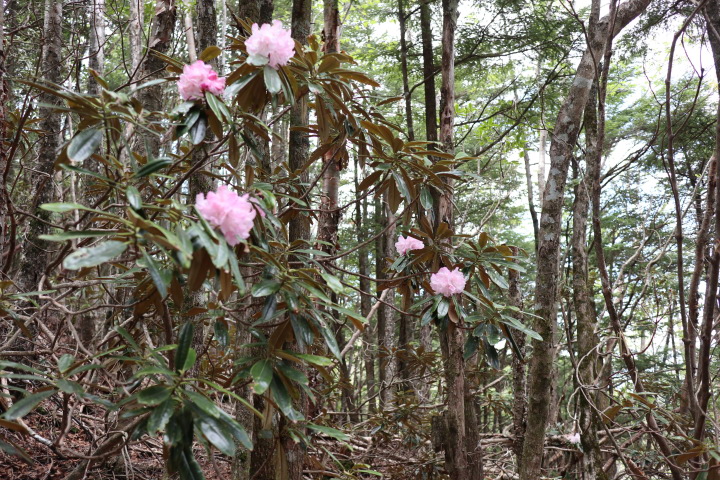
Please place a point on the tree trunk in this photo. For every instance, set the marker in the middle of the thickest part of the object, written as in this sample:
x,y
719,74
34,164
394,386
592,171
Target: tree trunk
x,y
299,225
402,19
564,136
463,456
329,217
587,340
163,26
136,29
97,42
35,252
519,405
258,11
428,71
704,377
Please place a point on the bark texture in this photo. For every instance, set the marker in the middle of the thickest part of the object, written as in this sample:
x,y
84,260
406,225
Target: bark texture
x,y
563,140
34,257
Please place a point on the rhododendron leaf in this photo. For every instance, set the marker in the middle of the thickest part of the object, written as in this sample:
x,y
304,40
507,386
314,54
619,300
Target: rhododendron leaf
x,y
257,60
214,431
184,340
221,332
152,167
333,282
160,416
134,198
65,362
517,324
314,359
471,346
199,130
95,255
154,395
72,234
330,340
329,431
84,144
155,274
283,399
262,373
210,53
273,82
218,107
24,406
303,334
442,308
265,287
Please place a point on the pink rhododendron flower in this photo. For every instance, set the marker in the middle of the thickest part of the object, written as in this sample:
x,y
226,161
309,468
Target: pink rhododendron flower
x,y
271,41
447,282
232,214
404,245
197,78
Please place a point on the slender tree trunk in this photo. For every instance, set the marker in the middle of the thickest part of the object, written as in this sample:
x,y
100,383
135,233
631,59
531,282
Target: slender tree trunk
x,y
361,213
4,130
34,257
706,328
136,31
329,217
430,135
428,71
463,456
561,148
97,41
519,405
402,19
531,197
587,340
163,26
299,225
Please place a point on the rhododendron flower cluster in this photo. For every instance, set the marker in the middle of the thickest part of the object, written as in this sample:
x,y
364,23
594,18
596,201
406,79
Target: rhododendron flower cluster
x,y
271,41
225,210
447,282
197,78
404,245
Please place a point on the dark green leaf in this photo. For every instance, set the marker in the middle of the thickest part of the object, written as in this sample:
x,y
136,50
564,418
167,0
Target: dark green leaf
x,y
273,82
24,406
152,167
154,395
331,432
160,416
215,432
265,287
262,373
84,144
155,274
65,362
93,256
68,386
134,198
198,130
184,340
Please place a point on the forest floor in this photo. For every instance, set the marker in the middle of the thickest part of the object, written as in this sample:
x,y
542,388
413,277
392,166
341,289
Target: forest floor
x,y
141,461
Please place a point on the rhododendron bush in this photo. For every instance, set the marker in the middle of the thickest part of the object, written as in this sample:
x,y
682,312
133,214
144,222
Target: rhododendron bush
x,y
214,291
